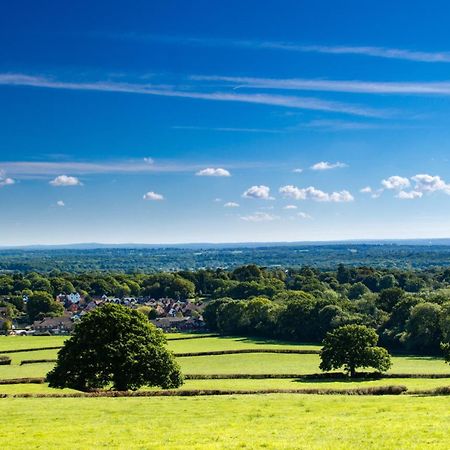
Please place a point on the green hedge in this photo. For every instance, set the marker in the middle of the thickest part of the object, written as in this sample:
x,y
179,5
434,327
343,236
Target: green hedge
x,y
22,381
248,350
381,390
37,361
34,349
5,360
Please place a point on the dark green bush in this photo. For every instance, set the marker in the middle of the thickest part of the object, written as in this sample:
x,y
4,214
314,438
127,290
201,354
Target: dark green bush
x,y
5,360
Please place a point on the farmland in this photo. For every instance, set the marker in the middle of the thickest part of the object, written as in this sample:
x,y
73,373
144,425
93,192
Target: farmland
x,y
251,421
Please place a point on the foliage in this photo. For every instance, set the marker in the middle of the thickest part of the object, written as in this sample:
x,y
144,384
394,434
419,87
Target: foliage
x,y
115,345
353,346
5,360
41,303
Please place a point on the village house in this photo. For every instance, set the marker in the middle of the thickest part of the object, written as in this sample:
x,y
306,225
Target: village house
x,y
54,325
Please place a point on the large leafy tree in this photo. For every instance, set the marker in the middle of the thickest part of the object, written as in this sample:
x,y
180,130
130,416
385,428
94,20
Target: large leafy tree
x,y
115,346
353,346
41,304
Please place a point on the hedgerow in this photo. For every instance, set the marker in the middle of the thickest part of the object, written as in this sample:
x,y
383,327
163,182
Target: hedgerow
x,y
381,390
5,360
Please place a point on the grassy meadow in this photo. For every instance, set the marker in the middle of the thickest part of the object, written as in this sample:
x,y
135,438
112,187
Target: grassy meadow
x,y
259,421
282,421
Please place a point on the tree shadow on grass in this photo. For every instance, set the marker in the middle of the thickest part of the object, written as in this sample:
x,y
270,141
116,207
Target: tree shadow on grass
x,y
265,341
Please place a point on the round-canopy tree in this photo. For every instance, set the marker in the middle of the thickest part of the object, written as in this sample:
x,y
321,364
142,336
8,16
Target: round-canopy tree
x,y
353,346
115,345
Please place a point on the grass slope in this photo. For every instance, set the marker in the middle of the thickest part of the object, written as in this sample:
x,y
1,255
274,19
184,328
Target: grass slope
x,y
230,422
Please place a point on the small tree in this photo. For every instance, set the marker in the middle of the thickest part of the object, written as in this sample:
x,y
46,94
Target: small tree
x,y
115,345
353,346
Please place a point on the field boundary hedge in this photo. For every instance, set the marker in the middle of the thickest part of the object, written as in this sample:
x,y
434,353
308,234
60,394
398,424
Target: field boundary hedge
x,y
312,377
34,349
381,390
30,380
37,361
5,360
247,350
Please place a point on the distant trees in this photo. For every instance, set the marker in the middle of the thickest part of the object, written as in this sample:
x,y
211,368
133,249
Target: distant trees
x,y
115,345
41,304
351,347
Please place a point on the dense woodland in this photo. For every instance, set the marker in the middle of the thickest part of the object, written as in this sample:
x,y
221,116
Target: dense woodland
x,y
409,309
193,257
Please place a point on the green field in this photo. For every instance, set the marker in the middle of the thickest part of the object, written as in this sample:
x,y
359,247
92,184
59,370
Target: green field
x,y
281,421
277,421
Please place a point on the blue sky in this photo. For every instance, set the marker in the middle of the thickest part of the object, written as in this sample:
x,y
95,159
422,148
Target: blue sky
x,y
208,121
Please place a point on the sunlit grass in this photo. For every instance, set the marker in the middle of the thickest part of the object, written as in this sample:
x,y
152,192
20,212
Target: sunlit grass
x,y
230,422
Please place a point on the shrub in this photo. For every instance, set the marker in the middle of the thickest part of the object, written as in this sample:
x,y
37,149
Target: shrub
x,y
5,360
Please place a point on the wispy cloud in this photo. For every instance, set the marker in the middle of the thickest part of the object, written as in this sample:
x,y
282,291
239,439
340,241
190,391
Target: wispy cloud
x,y
40,169
348,86
306,103
259,217
373,51
230,129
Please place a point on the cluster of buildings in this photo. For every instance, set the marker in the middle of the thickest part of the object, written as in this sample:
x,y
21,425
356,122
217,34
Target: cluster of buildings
x,y
166,313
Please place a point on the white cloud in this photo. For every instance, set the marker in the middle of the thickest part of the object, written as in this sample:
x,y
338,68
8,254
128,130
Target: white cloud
x,y
64,180
231,205
304,215
294,192
153,196
6,181
317,195
212,172
430,183
366,190
396,182
298,170
259,192
411,195
306,103
149,160
290,207
353,86
325,165
379,52
60,203
259,217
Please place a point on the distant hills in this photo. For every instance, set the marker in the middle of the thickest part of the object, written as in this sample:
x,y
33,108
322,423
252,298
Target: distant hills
x,y
212,245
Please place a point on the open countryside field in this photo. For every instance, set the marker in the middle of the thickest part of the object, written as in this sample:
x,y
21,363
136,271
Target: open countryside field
x,y
253,363
284,421
257,421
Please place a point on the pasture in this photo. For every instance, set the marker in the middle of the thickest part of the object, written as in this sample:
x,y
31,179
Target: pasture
x,y
272,421
250,421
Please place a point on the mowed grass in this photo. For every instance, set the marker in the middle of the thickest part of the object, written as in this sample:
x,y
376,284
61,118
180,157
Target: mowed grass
x,y
23,342
233,343
256,363
260,363
256,421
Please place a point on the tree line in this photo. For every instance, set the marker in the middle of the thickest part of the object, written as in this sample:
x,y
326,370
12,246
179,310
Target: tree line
x,y
409,309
